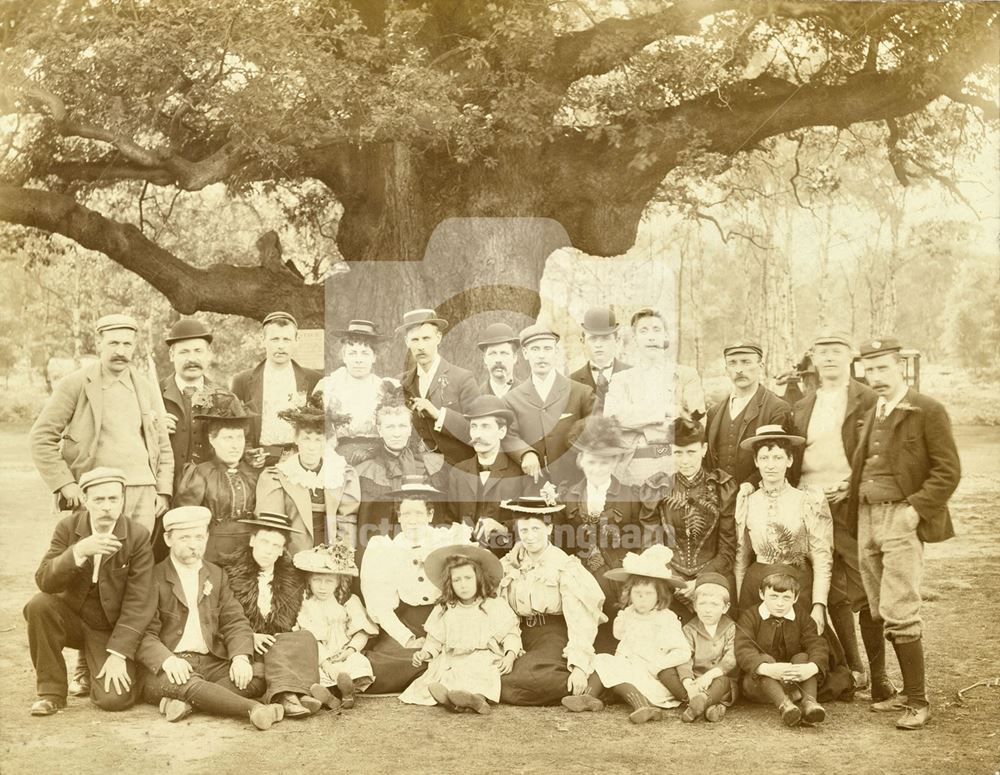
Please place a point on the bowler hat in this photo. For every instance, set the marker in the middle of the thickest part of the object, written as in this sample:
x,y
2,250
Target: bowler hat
x,y
876,347
488,406
599,321
188,328
498,333
101,475
417,317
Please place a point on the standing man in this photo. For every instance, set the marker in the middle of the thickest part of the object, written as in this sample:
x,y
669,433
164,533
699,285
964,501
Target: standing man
x,y
904,471
189,344
274,385
438,393
545,406
647,398
602,342
96,584
499,357
477,486
747,408
105,415
830,419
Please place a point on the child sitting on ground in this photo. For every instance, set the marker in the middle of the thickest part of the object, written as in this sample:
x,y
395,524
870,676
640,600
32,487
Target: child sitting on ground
x,y
473,637
650,640
708,680
339,622
781,654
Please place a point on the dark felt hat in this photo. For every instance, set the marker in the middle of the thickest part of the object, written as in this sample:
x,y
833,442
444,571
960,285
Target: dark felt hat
x,y
417,317
188,328
489,406
600,321
498,333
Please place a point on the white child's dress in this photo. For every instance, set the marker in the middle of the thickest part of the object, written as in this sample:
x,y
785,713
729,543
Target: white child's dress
x,y
648,643
334,625
468,642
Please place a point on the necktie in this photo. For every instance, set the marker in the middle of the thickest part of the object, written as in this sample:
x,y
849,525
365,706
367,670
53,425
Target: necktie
x,y
601,382
778,647
881,414
190,390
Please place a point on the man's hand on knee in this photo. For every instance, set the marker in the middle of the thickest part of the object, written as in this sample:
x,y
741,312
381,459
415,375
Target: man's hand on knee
x,y
178,670
115,674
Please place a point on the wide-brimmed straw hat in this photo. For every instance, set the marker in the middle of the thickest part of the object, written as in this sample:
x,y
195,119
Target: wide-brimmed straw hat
x,y
327,559
653,563
772,433
272,520
435,563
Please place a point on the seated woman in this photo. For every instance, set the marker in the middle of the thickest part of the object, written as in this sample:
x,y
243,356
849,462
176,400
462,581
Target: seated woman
x,y
691,511
397,452
559,604
226,484
270,589
315,486
397,591
353,388
601,521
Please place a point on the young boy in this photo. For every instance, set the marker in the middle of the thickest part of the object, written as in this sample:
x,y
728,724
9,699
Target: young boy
x,y
780,652
708,679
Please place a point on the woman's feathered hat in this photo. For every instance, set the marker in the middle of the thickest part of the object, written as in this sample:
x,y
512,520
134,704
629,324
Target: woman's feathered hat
x,y
327,558
316,414
219,405
598,436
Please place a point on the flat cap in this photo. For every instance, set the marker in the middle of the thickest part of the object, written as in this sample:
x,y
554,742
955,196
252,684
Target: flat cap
x,y
184,517
876,347
743,346
116,320
101,475
833,337
274,317
537,331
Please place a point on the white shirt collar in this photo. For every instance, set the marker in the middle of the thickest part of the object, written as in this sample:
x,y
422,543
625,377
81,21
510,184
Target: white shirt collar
x,y
198,384
186,570
598,486
430,369
271,368
765,614
890,404
544,384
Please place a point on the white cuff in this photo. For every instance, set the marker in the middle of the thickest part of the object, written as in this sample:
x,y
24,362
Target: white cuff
x,y
439,424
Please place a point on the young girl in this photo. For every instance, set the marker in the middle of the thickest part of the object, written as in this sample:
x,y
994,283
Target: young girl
x,y
650,640
473,637
339,622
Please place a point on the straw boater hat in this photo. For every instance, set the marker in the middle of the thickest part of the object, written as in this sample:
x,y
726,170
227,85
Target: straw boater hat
x,y
771,433
417,317
436,560
415,486
532,506
219,405
327,559
598,436
359,329
653,563
273,521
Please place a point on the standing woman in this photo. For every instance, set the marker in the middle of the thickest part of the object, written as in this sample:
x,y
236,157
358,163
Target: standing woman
x,y
315,486
559,604
397,591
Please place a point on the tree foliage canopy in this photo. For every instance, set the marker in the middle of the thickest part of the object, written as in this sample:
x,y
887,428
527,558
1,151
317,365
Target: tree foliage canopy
x,y
412,113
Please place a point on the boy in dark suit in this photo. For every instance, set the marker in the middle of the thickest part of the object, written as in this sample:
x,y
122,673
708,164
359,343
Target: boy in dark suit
x,y
782,656
905,469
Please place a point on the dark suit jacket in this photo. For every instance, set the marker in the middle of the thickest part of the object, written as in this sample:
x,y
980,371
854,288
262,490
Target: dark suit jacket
x,y
621,511
860,398
223,623
765,408
544,425
585,376
248,386
504,483
924,462
190,440
124,581
755,635
452,388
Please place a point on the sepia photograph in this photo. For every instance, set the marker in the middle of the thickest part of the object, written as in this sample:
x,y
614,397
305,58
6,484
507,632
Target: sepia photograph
x,y
500,386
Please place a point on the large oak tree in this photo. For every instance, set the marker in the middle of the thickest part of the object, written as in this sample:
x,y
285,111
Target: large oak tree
x,y
413,113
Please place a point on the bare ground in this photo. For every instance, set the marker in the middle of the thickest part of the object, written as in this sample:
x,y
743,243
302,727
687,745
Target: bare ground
x,y
381,735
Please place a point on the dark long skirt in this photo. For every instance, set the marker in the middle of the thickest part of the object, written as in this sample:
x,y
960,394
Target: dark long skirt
x,y
392,662
291,664
541,676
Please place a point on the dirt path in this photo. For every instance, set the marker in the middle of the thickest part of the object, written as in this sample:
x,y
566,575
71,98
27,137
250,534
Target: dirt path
x,y
380,735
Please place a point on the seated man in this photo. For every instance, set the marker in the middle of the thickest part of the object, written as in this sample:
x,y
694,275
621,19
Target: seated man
x,y
196,649
95,581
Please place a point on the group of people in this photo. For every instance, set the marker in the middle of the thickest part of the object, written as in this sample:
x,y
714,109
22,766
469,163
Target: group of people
x,y
273,548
